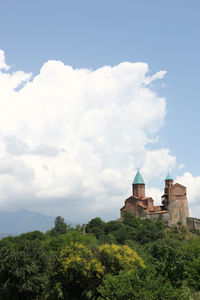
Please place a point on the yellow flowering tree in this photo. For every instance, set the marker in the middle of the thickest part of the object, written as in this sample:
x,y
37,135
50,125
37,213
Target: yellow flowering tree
x,y
118,257
81,271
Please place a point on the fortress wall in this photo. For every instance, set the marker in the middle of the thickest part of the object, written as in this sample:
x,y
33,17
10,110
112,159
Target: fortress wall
x,y
193,223
165,216
178,207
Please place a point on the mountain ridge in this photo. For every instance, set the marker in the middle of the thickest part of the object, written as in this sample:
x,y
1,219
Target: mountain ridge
x,y
21,221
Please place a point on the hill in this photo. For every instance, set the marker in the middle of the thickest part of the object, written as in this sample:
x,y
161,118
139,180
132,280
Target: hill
x,y
14,223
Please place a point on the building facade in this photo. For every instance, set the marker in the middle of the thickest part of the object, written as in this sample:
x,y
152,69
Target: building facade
x,y
174,207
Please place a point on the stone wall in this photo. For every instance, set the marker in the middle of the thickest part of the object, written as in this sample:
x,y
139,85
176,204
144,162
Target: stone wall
x,y
165,216
178,207
193,223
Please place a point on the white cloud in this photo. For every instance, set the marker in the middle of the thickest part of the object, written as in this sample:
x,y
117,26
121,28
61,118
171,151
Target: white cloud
x,y
181,166
83,133
156,194
157,163
158,75
3,64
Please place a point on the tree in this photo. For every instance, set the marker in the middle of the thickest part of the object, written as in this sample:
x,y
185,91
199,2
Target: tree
x,y
118,257
60,227
113,226
80,272
23,269
56,243
143,230
96,227
141,283
169,260
193,274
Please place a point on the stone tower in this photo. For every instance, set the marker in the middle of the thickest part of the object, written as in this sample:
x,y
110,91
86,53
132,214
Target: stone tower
x,y
175,201
168,184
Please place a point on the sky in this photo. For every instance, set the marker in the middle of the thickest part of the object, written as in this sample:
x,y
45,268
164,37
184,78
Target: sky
x,y
89,92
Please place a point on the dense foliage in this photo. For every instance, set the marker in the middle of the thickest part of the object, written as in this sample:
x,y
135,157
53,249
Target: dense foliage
x,y
133,259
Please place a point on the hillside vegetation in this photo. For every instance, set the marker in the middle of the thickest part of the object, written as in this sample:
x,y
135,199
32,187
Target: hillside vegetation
x,y
134,259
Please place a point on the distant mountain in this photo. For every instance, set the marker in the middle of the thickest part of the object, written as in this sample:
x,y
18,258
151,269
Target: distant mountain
x,y
14,223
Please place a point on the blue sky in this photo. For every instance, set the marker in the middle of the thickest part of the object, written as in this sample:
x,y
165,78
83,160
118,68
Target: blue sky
x,y
91,34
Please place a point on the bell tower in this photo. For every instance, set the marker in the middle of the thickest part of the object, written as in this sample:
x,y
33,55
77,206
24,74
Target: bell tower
x,y
138,186
168,184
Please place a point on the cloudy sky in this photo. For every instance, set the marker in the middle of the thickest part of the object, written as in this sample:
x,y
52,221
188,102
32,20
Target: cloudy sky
x,y
89,92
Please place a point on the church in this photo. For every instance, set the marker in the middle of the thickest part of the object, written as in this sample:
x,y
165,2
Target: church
x,y
174,207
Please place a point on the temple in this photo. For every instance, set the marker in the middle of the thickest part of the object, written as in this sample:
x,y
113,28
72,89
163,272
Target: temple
x,y
174,207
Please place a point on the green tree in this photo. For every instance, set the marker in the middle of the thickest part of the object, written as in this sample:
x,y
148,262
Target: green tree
x,y
113,226
60,227
96,227
193,274
23,269
139,284
56,243
143,230
169,260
